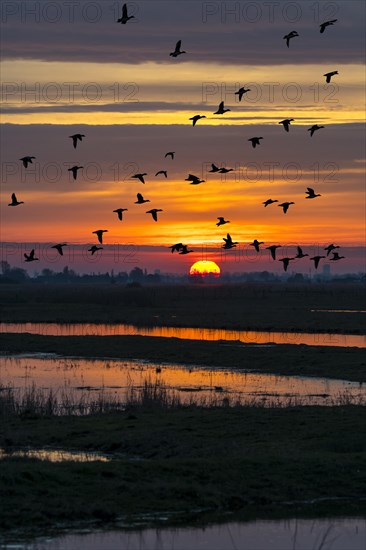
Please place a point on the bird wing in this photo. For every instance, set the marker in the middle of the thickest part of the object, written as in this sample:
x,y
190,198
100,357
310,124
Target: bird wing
x,y
310,191
13,197
31,255
154,215
124,10
178,45
140,197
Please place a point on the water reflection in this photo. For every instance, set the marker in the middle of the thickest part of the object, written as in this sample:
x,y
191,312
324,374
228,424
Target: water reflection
x,y
54,455
247,336
116,377
327,534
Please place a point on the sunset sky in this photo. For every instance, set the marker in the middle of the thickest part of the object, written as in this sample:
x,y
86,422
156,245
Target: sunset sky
x,y
70,68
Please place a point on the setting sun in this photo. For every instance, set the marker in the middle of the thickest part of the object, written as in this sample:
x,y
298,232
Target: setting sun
x,y
204,268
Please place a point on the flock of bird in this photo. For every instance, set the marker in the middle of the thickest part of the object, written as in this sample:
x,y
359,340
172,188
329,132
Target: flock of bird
x,y
229,244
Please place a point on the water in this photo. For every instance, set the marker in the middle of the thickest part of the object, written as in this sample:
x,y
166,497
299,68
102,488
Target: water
x,y
54,455
116,377
293,534
248,336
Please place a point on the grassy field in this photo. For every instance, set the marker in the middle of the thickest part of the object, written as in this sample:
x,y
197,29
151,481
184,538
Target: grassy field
x,y
238,461
251,306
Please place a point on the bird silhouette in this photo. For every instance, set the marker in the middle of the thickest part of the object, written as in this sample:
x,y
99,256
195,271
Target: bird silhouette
x,y
288,37
330,248
184,250
225,170
195,118
194,180
177,50
99,234
328,76
269,201
30,257
154,213
228,242
119,212
59,247
326,24
221,110
255,141
286,262
286,123
26,161
256,244
336,257
75,139
214,168
164,172
300,253
125,17
94,248
311,193
316,260
140,199
74,170
222,221
314,128
14,201
273,249
176,247
140,177
285,206
241,92
170,154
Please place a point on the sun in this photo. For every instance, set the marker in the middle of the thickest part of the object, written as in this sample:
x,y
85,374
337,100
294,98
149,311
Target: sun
x,y
205,268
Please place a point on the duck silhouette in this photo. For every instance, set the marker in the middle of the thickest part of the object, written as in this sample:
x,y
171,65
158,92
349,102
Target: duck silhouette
x,y
288,37
328,76
228,242
269,201
214,168
99,234
75,139
241,92
222,221
170,154
176,247
59,248
164,172
26,161
139,177
286,262
326,24
286,123
94,248
336,257
300,253
119,212
30,257
255,141
195,118
316,260
311,193
330,248
177,50
273,249
184,250
74,170
285,206
154,213
225,170
194,180
14,201
314,128
140,199
256,244
221,109
125,17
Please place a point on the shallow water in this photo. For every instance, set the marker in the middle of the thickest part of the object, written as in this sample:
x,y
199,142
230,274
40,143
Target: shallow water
x,y
54,455
247,336
328,534
115,378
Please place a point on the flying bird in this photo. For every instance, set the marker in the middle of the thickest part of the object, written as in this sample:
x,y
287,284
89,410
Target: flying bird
x,y
228,242
140,199
99,234
241,92
286,123
30,257
214,168
194,180
26,161
300,253
255,141
119,212
94,248
170,154
195,118
285,206
336,257
140,177
288,37
75,139
316,260
273,249
164,172
256,244
176,247
328,76
14,200
74,170
59,247
311,193
286,262
268,201
177,50
184,250
154,213
330,248
222,221
225,170
326,24
314,128
221,110
125,17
